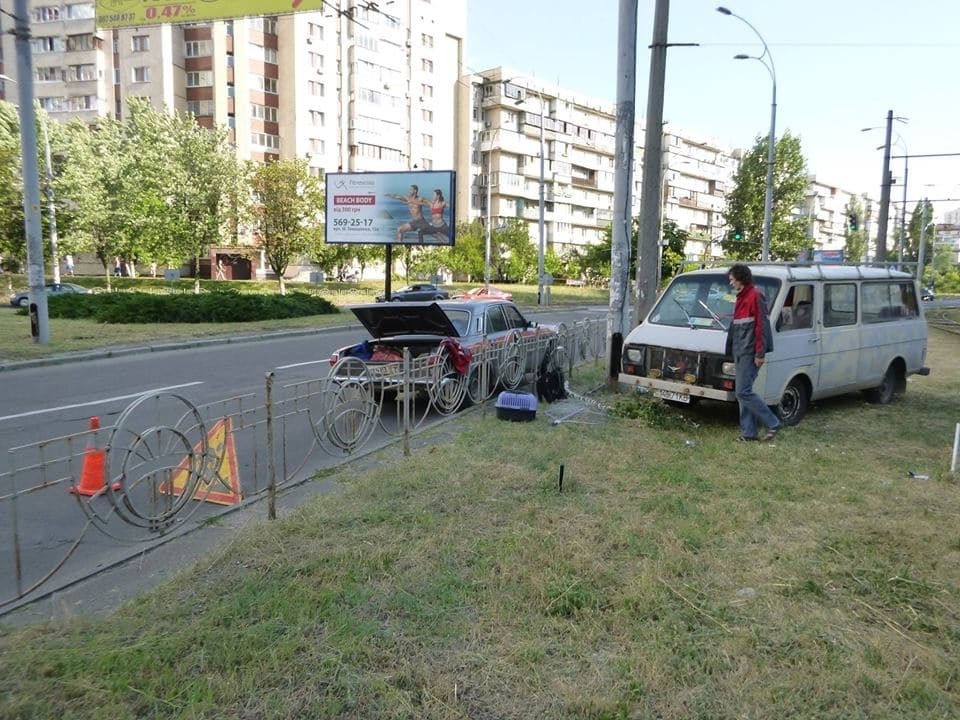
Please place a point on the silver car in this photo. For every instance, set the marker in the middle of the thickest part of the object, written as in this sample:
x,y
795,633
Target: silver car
x,y
460,350
22,299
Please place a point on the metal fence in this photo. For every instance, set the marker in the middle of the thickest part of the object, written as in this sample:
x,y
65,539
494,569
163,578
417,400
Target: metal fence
x,y
74,505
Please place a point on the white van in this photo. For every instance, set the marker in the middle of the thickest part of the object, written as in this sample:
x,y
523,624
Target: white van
x,y
836,329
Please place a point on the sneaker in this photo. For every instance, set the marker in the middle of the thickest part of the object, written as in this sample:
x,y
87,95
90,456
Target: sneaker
x,y
744,438
771,434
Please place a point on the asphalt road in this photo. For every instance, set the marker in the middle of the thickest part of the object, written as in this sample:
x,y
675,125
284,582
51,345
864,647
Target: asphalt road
x,y
56,399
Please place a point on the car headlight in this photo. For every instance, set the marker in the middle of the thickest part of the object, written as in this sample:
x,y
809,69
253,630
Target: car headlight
x,y
634,354
728,368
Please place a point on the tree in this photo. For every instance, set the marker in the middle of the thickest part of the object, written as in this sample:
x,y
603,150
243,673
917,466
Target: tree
x,y
855,231
674,250
922,216
745,204
12,237
288,208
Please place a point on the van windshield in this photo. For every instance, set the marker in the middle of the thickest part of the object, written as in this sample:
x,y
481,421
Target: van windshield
x,y
704,301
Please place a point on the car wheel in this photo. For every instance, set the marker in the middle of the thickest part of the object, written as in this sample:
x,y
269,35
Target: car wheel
x,y
794,403
883,393
395,299
24,301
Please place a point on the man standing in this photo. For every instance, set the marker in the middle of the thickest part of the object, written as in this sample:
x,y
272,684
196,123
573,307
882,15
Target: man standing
x,y
415,204
749,339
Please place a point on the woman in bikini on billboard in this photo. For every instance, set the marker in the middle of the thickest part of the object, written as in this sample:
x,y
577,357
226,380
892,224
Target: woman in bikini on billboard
x,y
438,226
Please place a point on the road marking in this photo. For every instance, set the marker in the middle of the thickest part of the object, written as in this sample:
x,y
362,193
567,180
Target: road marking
x,y
97,402
309,362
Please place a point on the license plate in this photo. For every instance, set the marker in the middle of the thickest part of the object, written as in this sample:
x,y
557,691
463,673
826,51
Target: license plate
x,y
672,395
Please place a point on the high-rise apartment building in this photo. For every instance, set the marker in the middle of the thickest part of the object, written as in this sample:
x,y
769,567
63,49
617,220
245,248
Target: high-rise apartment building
x,y
366,86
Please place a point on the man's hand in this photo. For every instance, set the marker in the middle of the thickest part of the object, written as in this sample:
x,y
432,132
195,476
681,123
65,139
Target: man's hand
x,y
758,360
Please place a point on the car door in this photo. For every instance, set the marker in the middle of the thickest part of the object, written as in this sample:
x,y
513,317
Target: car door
x,y
796,342
839,338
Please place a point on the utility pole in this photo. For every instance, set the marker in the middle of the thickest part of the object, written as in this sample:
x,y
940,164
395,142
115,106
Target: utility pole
x,y
39,317
648,244
880,254
618,315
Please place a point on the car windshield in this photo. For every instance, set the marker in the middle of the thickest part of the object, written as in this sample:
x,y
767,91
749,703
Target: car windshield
x,y
704,301
460,320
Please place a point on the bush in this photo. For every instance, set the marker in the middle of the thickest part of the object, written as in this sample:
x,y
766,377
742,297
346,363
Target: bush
x,y
219,306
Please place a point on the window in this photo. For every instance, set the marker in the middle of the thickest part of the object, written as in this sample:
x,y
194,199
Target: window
x,y
427,140
80,11
263,112
426,40
317,118
46,44
264,84
886,301
426,90
266,54
797,313
495,321
426,164
839,304
81,102
265,140
317,146
315,88
426,65
200,108
316,60
141,74
200,78
197,48
427,115
314,31
45,14
51,104
81,42
81,72
266,25
140,43
47,74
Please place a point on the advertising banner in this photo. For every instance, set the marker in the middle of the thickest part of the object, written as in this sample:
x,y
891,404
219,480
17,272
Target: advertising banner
x,y
128,13
831,257
391,208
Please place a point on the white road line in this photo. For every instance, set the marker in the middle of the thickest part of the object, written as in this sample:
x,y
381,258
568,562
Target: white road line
x,y
96,402
309,362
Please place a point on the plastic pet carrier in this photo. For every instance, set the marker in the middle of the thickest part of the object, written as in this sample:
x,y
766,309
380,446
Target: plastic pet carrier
x,y
516,406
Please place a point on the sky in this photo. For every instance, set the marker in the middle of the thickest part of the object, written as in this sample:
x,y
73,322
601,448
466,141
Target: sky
x,y
840,66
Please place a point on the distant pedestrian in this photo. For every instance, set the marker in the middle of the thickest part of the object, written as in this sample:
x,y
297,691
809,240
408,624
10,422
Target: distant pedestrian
x,y
749,339
69,263
117,266
220,274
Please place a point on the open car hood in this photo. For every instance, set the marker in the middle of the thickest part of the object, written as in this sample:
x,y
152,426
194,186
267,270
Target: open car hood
x,y
385,320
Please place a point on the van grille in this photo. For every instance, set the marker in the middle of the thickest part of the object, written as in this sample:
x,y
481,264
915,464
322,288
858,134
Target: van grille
x,y
674,364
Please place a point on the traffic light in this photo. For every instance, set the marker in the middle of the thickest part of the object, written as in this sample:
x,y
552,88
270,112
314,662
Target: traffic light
x,y
852,222
738,234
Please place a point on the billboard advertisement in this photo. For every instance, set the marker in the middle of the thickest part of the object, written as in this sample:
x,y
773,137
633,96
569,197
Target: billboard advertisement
x,y
391,208
831,257
127,13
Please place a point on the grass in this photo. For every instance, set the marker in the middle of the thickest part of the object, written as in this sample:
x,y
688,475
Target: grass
x,y
677,575
68,336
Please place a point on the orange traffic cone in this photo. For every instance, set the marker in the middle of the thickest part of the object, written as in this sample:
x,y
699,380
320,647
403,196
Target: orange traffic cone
x,y
93,477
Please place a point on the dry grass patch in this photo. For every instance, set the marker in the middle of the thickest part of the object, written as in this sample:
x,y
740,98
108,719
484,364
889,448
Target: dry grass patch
x,y
806,579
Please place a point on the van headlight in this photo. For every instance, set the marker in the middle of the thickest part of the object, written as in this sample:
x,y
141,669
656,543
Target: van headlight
x,y
729,368
635,354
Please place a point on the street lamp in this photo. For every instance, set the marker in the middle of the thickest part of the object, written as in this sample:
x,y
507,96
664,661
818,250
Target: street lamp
x,y
541,250
771,140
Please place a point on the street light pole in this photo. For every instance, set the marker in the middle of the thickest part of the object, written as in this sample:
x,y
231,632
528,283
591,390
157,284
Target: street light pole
x,y
51,207
541,245
772,139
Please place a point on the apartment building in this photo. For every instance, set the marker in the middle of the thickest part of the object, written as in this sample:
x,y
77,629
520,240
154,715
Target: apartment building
x,y
506,116
355,87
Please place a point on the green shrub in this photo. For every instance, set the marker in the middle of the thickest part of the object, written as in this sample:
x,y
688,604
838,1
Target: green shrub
x,y
218,306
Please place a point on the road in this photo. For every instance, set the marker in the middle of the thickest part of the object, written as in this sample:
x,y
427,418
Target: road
x,y
57,400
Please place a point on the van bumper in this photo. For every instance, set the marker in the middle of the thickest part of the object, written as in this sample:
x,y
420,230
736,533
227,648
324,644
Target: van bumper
x,y
631,382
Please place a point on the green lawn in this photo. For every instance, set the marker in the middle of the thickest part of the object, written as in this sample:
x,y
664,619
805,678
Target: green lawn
x,y
677,575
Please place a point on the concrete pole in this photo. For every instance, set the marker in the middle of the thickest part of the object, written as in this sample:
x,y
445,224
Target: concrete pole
x,y
920,251
771,161
903,217
39,317
648,244
618,315
880,254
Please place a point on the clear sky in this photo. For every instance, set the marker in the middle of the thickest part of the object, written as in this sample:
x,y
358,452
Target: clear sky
x,y
840,66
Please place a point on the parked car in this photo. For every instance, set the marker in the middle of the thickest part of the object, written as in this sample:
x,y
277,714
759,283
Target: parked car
x,y
927,294
22,299
487,292
421,291
446,341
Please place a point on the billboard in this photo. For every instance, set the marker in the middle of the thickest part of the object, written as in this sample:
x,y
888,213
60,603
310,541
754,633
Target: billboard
x,y
831,257
126,13
391,208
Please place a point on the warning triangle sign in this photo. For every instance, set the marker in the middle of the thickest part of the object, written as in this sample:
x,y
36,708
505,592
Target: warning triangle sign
x,y
223,488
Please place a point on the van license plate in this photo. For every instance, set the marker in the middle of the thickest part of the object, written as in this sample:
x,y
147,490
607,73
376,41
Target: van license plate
x,y
672,395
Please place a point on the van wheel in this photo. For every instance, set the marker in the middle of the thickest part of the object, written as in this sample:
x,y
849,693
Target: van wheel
x,y
883,393
794,403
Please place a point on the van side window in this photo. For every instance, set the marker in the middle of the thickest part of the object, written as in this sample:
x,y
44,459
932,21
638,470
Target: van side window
x,y
797,312
839,304
885,301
